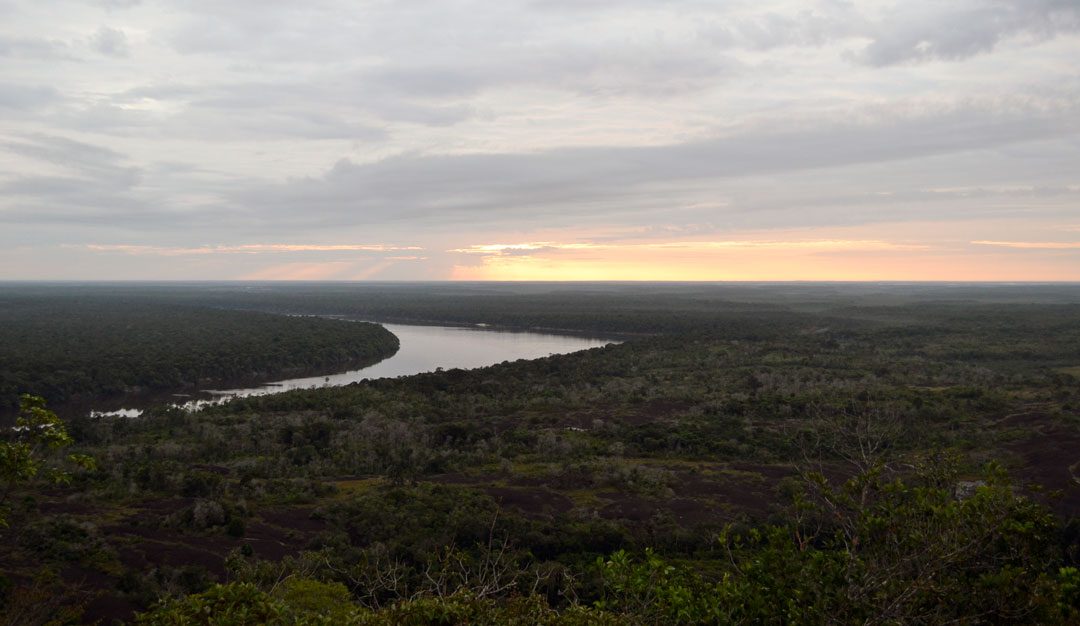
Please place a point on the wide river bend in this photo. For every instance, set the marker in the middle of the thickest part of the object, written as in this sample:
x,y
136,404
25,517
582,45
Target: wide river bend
x,y
423,349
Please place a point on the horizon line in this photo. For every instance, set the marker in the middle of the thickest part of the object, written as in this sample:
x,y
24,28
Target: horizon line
x,y
540,282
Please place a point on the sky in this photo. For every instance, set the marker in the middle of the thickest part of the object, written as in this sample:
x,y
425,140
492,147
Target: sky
x,y
540,140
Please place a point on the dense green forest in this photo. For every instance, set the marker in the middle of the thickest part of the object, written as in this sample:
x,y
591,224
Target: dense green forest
x,y
750,454
59,345
619,308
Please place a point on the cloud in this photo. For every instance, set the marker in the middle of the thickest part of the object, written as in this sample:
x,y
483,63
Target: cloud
x,y
453,51
33,48
53,186
242,249
330,270
26,97
63,151
310,109
58,180
926,30
902,32
656,69
86,173
520,249
750,259
470,188
511,248
110,42
118,4
811,27
1047,245
443,124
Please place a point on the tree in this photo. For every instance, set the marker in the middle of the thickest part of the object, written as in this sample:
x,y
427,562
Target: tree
x,y
904,546
880,548
29,448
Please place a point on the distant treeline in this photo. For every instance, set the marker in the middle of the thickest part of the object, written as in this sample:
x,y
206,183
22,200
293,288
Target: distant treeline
x,y
58,340
63,345
757,309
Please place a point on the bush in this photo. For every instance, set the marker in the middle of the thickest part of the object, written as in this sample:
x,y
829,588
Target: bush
x,y
236,527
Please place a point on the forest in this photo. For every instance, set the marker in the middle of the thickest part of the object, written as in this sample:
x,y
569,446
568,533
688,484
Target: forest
x,y
64,345
749,453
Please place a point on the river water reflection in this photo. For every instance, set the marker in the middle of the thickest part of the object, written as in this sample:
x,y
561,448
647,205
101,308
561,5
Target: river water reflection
x,y
423,349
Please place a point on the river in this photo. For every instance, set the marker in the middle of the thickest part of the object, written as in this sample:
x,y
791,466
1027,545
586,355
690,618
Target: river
x,y
423,349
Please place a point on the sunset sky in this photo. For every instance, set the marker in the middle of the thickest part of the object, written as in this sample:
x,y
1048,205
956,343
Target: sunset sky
x,y
540,140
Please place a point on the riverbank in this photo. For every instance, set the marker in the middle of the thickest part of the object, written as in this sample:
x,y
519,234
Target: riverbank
x,y
421,348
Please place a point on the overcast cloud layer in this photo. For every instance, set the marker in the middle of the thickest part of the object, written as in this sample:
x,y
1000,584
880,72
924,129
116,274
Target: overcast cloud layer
x,y
540,139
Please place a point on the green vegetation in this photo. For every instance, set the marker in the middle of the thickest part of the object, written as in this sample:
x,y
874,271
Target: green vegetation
x,y
63,345
26,448
873,550
882,454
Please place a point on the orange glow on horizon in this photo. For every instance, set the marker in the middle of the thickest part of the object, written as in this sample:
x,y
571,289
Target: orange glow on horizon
x,y
833,260
949,250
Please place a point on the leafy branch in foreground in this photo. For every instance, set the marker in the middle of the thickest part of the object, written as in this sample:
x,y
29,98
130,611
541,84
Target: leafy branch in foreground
x,y
28,448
